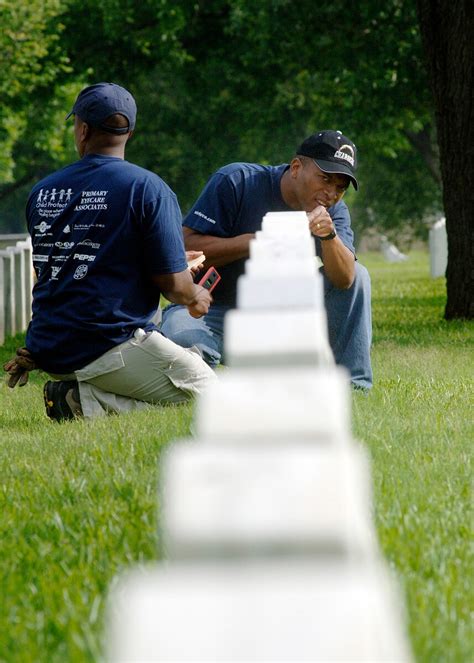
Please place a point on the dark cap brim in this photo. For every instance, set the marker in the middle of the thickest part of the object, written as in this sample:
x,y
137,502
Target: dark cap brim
x,y
339,168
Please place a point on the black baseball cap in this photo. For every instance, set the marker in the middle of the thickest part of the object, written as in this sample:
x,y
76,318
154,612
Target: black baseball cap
x,y
98,102
332,152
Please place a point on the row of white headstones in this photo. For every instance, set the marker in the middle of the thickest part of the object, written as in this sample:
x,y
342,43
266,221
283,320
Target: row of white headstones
x,y
16,285
266,515
16,279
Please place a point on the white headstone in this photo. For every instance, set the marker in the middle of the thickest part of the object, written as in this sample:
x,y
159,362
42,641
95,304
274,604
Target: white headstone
x,y
275,247
438,242
304,404
19,286
27,248
283,293
289,268
266,610
277,337
289,498
2,302
391,252
286,223
8,286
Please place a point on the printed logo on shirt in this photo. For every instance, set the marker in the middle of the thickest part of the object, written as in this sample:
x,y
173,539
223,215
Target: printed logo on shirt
x,y
92,200
203,216
67,229
62,258
39,257
64,245
54,272
89,242
86,226
51,202
48,244
80,272
83,257
43,227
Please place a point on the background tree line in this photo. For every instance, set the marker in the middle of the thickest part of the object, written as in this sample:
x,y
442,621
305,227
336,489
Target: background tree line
x,y
219,81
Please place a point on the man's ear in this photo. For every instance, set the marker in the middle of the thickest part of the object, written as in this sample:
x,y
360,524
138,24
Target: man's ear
x,y
85,131
296,166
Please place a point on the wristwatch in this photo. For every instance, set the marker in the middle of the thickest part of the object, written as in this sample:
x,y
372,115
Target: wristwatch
x,y
330,236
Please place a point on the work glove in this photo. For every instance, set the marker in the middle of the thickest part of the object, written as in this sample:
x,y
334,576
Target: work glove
x,y
19,367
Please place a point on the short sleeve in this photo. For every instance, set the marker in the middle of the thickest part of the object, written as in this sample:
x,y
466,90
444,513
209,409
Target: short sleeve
x,y
216,210
342,222
163,236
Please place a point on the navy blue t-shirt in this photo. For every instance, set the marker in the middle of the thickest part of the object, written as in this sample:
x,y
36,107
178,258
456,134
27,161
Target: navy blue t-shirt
x,y
234,201
100,228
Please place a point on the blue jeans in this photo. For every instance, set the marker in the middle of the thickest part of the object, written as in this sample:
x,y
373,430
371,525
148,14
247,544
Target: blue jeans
x,y
349,327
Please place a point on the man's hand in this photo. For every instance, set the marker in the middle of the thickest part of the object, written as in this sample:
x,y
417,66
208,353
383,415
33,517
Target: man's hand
x,y
192,258
200,304
320,222
19,367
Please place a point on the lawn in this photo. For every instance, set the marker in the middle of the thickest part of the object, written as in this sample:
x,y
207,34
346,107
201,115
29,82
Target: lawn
x,y
78,500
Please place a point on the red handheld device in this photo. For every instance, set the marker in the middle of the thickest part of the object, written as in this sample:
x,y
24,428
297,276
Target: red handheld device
x,y
210,279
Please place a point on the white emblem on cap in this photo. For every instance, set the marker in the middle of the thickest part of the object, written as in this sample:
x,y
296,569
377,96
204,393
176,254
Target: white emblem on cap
x,y
340,154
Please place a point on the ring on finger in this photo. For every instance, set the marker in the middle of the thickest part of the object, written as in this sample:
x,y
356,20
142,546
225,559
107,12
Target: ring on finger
x,y
318,225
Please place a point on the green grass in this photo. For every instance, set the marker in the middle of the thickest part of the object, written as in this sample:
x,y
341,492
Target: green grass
x,y
78,500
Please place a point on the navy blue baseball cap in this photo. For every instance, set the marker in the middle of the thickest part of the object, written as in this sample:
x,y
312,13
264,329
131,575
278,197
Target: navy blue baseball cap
x,y
332,153
98,102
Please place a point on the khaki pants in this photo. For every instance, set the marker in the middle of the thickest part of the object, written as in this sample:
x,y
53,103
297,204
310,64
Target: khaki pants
x,y
146,369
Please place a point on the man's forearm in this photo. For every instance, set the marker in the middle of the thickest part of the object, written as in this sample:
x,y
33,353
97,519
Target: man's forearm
x,y
218,250
338,263
178,288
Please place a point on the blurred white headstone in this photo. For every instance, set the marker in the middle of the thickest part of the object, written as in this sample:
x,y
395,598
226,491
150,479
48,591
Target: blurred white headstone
x,y
284,498
286,223
2,302
276,247
390,251
276,338
305,404
8,286
290,268
266,514
265,610
438,243
281,292
18,285
27,249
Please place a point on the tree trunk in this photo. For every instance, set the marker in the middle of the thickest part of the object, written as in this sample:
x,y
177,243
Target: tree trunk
x,y
428,149
447,29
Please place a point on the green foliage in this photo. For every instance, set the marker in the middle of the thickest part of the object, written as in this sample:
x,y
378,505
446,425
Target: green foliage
x,y
221,81
31,59
49,50
257,81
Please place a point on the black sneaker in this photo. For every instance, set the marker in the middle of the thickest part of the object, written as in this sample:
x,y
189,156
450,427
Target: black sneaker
x,y
61,398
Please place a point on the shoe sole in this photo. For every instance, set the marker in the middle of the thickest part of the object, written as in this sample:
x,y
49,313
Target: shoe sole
x,y
48,401
53,411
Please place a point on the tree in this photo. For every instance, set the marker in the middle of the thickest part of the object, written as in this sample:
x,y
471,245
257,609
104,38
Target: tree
x,y
226,80
48,52
32,65
251,87
447,29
